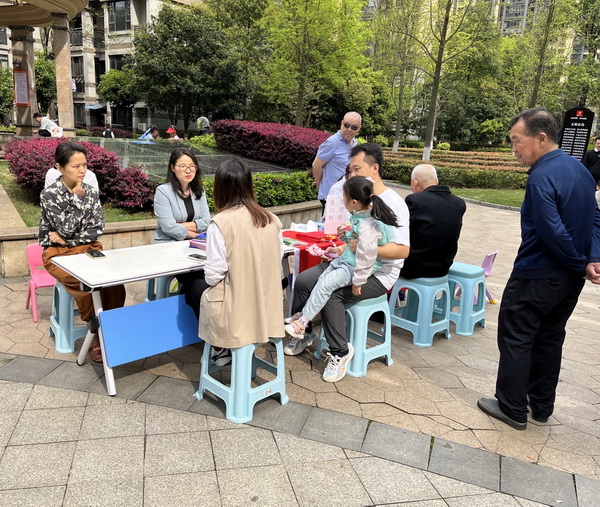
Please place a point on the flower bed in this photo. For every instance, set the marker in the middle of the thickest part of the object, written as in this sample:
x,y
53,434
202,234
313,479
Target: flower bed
x,y
287,145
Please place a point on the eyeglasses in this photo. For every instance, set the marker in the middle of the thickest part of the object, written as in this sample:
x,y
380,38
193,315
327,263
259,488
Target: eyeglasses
x,y
186,167
348,126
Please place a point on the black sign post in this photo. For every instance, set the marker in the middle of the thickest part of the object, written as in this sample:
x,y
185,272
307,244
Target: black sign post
x,y
575,135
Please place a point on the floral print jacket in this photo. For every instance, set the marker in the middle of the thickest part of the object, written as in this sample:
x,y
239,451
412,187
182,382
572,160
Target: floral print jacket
x,y
77,220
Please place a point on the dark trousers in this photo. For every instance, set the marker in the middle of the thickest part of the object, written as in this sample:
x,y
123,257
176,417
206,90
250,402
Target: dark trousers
x,y
333,314
531,333
194,285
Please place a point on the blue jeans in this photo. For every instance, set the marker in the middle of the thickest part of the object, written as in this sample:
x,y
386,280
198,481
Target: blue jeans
x,y
330,280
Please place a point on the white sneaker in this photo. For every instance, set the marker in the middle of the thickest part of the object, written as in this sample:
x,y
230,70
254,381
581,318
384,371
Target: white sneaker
x,y
337,366
297,345
289,320
220,357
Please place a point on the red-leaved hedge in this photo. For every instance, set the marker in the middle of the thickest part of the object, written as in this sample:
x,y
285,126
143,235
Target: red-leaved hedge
x,y
285,145
119,133
30,159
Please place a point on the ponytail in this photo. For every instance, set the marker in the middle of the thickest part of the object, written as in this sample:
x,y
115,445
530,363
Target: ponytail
x,y
361,189
382,212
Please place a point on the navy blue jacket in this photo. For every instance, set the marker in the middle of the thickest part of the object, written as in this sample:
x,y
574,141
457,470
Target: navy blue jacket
x,y
560,221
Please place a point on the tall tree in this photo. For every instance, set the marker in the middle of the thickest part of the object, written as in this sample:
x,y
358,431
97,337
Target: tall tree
x,y
317,44
45,80
119,88
6,94
185,65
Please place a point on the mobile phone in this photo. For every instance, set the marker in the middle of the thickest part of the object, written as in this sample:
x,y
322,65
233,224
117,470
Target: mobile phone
x,y
95,254
197,257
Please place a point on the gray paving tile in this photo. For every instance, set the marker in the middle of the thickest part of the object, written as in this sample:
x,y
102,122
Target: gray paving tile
x,y
129,384
588,491
327,482
388,482
288,418
33,466
448,488
178,453
266,485
551,486
209,406
28,369
396,444
110,421
335,428
183,490
244,447
424,503
108,458
51,496
52,397
464,463
72,376
300,450
104,399
48,425
217,423
14,396
485,500
168,420
6,358
170,392
8,421
129,492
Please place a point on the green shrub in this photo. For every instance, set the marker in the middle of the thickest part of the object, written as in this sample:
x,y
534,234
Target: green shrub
x,y
10,128
207,140
443,146
83,133
412,144
361,140
381,140
463,178
274,189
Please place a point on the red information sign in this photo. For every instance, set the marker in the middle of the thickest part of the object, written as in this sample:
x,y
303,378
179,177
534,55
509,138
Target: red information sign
x,y
21,83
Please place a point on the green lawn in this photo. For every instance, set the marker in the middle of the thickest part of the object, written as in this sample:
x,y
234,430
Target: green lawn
x,y
30,212
505,197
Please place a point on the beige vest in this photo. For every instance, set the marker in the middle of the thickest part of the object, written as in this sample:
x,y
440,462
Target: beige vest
x,y
247,305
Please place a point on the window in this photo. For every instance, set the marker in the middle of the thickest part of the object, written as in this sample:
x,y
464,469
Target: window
x,y
116,62
3,60
77,74
79,114
119,16
3,38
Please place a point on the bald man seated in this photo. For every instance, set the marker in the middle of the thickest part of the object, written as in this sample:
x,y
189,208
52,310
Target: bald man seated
x,y
435,224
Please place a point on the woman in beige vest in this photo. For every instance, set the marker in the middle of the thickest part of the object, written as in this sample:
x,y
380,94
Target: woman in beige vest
x,y
244,249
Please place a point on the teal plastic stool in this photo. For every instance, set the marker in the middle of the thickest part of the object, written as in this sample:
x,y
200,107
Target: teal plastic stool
x,y
61,321
159,288
357,331
471,301
240,397
424,314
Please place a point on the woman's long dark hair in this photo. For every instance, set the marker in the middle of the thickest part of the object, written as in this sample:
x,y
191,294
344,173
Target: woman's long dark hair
x,y
361,189
196,187
233,187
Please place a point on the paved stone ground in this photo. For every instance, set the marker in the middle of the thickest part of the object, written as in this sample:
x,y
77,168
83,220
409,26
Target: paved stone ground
x,y
430,392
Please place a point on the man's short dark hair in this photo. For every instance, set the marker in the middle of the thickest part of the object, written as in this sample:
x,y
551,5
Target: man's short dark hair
x,y
372,152
538,120
36,115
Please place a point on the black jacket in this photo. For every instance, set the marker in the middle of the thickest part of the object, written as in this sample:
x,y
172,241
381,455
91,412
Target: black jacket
x,y
435,224
592,161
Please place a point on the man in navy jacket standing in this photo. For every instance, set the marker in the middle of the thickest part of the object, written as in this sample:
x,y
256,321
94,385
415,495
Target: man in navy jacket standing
x,y
560,247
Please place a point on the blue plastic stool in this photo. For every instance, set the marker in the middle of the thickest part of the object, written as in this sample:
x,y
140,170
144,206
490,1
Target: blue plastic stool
x,y
61,321
357,331
240,397
471,302
424,314
159,288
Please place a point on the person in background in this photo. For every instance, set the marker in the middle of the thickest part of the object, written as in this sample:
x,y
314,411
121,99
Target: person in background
x,y
334,154
244,303
71,223
45,123
203,125
560,248
150,134
182,212
592,160
172,131
108,133
337,189
435,224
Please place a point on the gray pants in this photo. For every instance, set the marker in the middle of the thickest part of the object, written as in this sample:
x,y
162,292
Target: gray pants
x,y
333,314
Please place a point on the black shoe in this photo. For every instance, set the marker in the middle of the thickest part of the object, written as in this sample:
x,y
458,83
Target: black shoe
x,y
538,418
491,408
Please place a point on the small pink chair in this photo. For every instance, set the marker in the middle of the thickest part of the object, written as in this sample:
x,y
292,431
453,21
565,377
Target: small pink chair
x,y
487,264
39,276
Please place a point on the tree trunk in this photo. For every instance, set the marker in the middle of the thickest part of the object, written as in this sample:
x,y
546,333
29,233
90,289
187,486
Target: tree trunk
x,y
539,71
300,101
431,116
400,118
